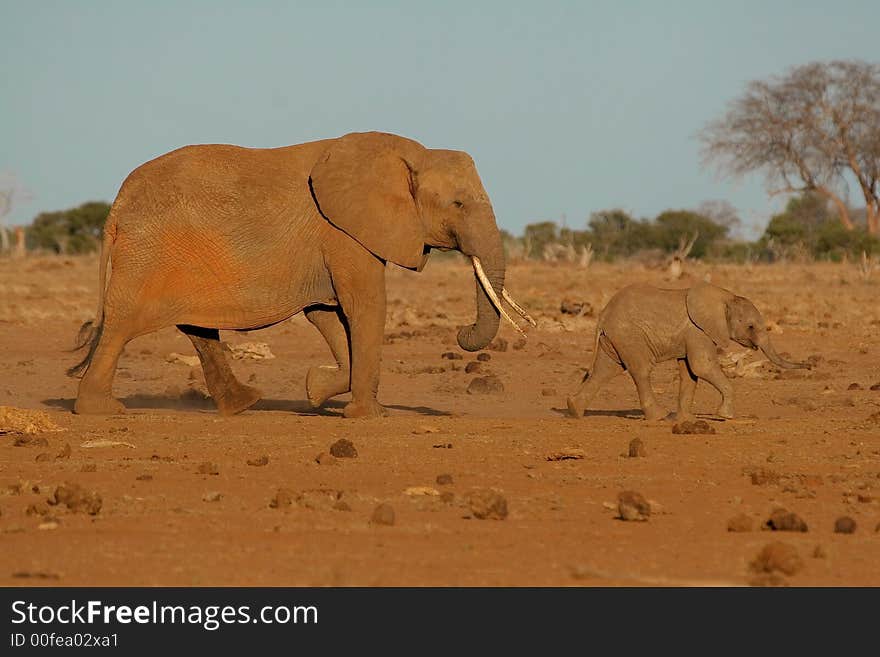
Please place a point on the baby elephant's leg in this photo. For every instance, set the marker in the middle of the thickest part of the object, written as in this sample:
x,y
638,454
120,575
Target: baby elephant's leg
x,y
641,375
604,369
705,366
687,386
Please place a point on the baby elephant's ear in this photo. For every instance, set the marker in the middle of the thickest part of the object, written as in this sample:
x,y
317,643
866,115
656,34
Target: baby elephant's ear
x,y
707,306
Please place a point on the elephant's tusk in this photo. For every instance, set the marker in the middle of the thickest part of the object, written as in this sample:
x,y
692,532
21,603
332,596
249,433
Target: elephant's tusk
x,y
490,292
518,308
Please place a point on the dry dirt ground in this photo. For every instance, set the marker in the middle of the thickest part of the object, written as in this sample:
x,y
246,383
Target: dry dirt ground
x,y
808,441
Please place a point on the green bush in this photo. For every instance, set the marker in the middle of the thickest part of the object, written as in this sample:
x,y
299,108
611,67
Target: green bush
x,y
77,230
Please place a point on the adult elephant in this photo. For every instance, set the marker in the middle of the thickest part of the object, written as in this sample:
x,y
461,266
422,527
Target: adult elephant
x,y
217,237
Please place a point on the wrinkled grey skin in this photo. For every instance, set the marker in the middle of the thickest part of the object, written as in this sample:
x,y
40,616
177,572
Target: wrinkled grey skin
x,y
644,325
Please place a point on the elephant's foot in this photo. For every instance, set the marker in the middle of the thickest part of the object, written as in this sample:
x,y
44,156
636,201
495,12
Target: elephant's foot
x,y
325,382
654,413
237,399
98,405
365,409
575,410
725,411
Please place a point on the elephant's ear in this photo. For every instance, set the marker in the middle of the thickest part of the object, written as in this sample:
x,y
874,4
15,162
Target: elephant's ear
x,y
707,306
364,186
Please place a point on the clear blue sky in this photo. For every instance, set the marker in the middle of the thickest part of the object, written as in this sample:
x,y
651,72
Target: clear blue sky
x,y
567,107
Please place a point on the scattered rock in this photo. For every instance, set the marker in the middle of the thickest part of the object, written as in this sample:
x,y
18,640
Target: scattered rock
x,y
688,427
144,477
30,441
486,385
487,504
548,392
739,523
578,308
567,454
442,446
189,361
89,467
444,479
212,496
777,557
474,367
844,525
451,355
854,386
326,459
782,520
105,443
383,515
637,448
283,499
38,509
263,460
251,350
484,357
343,449
208,468
498,344
764,476
876,386
77,499
417,491
25,421
633,506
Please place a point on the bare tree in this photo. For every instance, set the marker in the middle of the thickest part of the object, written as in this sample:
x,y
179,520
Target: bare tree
x,y
12,192
807,130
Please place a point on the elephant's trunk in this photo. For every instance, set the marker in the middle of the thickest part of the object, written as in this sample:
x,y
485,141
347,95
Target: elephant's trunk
x,y
485,244
764,344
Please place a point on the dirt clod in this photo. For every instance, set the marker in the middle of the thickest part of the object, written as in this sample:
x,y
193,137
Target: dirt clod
x,y
783,520
208,468
484,357
77,499
212,496
474,367
263,460
444,479
487,504
854,386
326,459
578,308
343,449
383,515
763,476
144,477
486,385
282,499
740,523
777,557
89,467
633,506
696,427
637,448
28,440
844,525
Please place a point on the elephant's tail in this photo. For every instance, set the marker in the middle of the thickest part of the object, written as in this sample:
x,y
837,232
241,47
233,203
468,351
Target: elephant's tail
x,y
90,332
595,350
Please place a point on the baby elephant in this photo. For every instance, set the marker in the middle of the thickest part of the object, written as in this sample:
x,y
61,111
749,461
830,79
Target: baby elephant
x,y
644,325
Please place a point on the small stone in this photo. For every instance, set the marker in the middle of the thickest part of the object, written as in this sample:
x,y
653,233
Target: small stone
x,y
548,392
326,459
844,525
487,504
282,499
212,496
144,477
632,506
697,427
419,491
637,448
263,460
567,454
739,523
486,385
89,467
782,520
30,441
208,468
577,308
383,515
77,499
484,357
854,386
876,386
474,367
451,355
777,557
764,476
444,479
343,449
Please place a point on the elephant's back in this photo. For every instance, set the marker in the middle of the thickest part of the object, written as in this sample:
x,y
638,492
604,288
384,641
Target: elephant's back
x,y
643,305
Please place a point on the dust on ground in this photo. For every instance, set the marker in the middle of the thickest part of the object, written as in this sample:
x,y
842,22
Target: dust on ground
x,y
463,484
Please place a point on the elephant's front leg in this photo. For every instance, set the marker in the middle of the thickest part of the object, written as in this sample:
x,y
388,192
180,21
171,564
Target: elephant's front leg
x,y
326,381
360,286
687,386
230,395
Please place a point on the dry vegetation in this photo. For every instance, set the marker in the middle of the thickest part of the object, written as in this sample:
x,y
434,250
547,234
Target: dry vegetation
x,y
454,488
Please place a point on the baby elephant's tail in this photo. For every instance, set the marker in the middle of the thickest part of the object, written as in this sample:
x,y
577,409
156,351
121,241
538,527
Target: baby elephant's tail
x,y
595,351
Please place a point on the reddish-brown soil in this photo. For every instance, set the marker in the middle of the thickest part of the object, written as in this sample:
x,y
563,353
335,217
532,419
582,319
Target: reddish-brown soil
x,y
185,494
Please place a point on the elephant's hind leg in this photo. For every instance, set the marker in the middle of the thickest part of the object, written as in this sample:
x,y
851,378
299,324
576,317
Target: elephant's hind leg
x,y
230,395
604,369
326,381
95,394
687,386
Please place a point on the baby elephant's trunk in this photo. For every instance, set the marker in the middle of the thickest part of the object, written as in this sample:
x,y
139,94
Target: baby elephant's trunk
x,y
766,346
